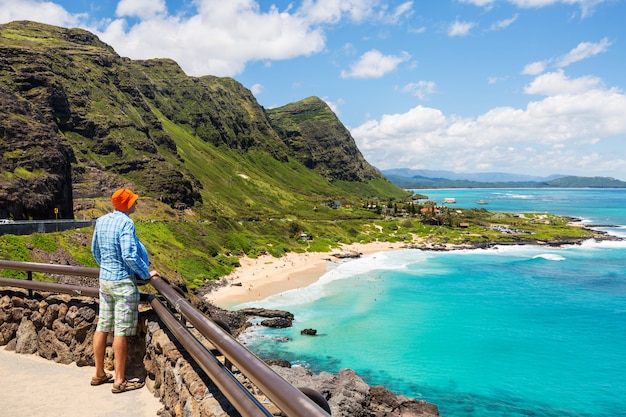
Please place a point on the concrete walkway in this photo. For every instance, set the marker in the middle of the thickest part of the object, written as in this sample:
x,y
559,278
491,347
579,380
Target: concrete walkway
x,y
31,386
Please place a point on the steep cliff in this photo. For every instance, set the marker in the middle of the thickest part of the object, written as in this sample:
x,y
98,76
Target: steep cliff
x,y
320,141
77,121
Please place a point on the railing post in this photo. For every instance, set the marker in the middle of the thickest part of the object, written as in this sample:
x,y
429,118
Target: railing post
x,y
30,278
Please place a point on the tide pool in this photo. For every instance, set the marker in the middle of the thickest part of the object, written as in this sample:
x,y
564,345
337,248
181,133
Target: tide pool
x,y
510,331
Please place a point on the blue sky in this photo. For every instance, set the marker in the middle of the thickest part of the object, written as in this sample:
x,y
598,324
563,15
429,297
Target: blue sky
x,y
521,86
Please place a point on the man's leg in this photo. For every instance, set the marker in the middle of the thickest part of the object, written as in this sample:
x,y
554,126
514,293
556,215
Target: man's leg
x,y
120,350
99,349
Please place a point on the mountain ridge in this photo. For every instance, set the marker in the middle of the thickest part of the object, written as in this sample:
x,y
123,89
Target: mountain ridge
x,y
422,178
103,121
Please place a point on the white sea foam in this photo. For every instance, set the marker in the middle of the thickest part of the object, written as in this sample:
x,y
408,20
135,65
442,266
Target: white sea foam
x,y
518,196
406,259
550,257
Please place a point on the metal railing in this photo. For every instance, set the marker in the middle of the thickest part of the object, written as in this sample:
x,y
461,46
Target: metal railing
x,y
294,402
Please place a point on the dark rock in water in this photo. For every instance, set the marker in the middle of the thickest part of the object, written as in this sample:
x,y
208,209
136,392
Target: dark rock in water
x,y
262,312
277,323
308,332
278,362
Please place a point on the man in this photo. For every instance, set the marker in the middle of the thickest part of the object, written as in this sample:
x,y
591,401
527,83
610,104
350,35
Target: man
x,y
123,259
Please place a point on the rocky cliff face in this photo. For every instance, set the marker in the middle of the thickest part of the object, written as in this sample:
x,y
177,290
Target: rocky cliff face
x,y
320,141
35,162
77,121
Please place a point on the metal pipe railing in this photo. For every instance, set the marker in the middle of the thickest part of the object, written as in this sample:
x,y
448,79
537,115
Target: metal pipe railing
x,y
245,403
285,396
291,400
50,268
76,290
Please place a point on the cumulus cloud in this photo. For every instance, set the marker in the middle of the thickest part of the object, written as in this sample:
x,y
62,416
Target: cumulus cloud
x,y
460,28
219,39
374,64
535,68
143,9
557,133
41,11
584,50
557,83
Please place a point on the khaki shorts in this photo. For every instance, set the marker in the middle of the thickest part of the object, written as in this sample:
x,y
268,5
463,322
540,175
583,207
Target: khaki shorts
x,y
119,307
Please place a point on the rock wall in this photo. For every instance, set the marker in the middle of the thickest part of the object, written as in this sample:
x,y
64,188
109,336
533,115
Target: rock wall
x,y
61,328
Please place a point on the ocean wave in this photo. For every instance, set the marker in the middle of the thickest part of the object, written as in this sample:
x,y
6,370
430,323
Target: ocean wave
x,y
550,257
518,196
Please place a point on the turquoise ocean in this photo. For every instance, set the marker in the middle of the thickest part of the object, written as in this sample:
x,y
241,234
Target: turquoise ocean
x,y
509,331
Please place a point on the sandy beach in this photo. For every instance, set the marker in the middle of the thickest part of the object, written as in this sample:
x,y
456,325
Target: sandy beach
x,y
259,278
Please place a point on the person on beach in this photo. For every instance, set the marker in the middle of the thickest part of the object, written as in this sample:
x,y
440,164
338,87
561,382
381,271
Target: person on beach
x,y
122,259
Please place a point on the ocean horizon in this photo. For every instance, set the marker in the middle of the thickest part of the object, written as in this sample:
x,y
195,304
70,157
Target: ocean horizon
x,y
508,331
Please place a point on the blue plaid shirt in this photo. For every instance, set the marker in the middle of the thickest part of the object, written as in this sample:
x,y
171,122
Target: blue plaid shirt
x,y
117,249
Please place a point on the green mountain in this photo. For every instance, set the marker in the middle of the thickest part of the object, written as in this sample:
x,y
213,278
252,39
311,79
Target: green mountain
x,y
423,182
78,121
218,175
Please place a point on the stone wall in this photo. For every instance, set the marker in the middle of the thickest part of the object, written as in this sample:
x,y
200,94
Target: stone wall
x,y
61,328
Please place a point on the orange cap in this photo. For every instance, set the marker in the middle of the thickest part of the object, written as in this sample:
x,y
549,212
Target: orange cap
x,y
123,199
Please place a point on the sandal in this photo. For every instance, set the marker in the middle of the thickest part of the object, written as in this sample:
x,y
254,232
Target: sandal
x,y
127,386
99,380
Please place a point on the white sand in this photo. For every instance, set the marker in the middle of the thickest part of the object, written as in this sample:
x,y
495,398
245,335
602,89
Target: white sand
x,y
259,278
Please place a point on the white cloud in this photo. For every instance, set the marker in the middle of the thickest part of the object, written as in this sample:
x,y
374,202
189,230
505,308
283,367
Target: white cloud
x,y
373,64
220,39
557,83
332,11
460,28
36,10
143,9
578,118
479,3
584,50
535,68
502,24
256,89
586,6
402,11
421,89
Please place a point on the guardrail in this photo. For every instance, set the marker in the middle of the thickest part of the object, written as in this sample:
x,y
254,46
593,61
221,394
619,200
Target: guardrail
x,y
294,402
